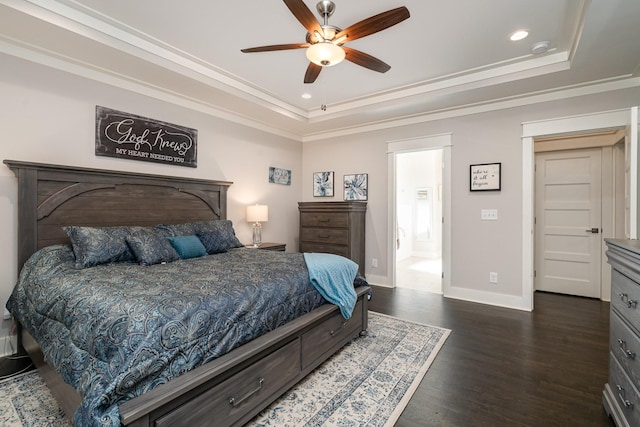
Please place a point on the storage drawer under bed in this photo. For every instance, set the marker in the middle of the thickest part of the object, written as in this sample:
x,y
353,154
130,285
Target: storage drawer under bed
x,y
230,400
333,332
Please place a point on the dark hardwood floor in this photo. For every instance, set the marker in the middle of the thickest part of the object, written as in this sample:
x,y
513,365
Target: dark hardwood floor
x,y
503,367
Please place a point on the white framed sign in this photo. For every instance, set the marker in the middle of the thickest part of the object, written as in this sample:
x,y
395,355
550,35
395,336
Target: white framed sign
x,y
485,177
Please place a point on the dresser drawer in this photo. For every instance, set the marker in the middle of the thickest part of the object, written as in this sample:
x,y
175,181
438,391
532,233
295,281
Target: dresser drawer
x,y
627,396
332,332
325,248
232,398
625,345
324,219
625,294
325,235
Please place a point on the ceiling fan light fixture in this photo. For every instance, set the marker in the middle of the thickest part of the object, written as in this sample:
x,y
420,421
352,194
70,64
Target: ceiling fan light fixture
x,y
325,54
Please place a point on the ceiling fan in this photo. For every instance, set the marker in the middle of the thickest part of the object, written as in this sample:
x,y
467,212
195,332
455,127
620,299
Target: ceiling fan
x,y
325,43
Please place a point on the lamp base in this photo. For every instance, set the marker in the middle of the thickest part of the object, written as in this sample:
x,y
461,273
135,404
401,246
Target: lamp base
x,y
257,234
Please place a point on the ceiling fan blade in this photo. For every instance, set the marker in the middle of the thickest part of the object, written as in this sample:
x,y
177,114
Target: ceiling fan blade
x,y
375,23
275,47
304,15
365,60
313,70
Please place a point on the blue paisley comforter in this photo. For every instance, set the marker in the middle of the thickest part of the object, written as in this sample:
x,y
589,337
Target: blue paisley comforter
x,y
116,331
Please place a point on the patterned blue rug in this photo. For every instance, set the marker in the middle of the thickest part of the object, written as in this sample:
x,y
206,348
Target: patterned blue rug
x,y
368,383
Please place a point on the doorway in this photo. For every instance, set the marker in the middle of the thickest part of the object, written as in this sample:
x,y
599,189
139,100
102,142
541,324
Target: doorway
x,y
418,220
441,219
626,119
571,184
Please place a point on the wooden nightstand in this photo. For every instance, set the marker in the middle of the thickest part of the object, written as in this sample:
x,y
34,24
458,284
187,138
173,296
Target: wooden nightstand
x,y
270,246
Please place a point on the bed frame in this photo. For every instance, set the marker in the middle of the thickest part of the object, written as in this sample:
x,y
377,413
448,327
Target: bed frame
x,y
230,390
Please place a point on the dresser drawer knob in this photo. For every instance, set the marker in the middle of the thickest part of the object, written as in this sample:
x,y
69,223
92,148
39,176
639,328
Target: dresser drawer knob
x,y
234,402
623,399
623,347
630,302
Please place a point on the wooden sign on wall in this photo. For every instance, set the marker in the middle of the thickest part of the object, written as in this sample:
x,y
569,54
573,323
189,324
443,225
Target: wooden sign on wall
x,y
128,136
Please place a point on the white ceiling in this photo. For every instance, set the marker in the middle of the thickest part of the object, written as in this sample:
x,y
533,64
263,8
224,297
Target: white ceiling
x,y
448,56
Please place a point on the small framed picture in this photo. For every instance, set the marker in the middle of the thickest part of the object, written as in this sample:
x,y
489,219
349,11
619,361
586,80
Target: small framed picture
x,y
485,177
355,186
323,184
279,176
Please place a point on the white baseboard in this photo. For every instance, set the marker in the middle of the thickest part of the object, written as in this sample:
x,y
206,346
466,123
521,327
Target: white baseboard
x,y
8,345
373,279
489,298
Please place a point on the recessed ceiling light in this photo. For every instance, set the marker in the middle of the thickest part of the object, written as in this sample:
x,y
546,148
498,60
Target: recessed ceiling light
x,y
306,96
518,35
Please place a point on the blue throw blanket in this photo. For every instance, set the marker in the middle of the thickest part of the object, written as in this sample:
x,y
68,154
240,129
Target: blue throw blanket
x,y
333,275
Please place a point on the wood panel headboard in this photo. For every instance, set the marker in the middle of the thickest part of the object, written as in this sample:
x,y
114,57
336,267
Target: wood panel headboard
x,y
51,197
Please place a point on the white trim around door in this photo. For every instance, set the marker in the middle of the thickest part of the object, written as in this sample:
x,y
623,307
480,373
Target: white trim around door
x,y
442,141
617,119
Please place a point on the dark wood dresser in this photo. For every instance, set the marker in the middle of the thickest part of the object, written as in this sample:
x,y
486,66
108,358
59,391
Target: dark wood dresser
x,y
334,227
620,396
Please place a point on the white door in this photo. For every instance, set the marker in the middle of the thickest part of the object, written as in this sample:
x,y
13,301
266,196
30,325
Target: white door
x,y
568,222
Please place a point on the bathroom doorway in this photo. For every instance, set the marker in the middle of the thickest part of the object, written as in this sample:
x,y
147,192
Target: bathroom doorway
x,y
419,212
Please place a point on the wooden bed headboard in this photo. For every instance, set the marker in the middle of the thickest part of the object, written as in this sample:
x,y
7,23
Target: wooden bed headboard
x,y
51,197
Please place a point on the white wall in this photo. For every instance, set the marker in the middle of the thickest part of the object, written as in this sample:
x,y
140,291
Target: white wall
x,y
48,116
478,247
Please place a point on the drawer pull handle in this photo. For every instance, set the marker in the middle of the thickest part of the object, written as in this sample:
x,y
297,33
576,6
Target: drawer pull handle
x,y
324,220
630,302
621,396
324,237
236,403
332,333
627,353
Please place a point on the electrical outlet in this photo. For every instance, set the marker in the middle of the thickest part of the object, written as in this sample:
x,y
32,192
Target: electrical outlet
x,y
493,277
374,262
7,314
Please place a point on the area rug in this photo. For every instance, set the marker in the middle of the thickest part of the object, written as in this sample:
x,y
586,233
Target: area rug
x,y
368,383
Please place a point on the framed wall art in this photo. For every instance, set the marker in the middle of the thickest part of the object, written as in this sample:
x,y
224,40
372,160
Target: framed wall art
x,y
129,136
323,184
279,176
485,177
355,186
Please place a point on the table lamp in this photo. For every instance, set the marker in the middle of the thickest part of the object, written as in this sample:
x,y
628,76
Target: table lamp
x,y
257,214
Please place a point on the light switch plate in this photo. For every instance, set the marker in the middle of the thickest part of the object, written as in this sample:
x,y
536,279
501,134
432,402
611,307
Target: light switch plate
x,y
489,214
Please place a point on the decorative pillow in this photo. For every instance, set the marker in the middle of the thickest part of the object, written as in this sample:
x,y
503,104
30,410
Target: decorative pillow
x,y
218,236
187,246
150,248
170,230
99,245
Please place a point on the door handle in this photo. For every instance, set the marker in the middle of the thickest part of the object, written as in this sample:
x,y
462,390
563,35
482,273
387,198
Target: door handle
x,y
594,230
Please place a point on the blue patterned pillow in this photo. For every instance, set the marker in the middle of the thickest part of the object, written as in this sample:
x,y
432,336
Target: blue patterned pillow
x,y
187,246
170,230
150,248
218,236
99,245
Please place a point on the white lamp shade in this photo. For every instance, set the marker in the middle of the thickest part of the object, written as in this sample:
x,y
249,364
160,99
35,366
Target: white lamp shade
x,y
257,213
325,54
